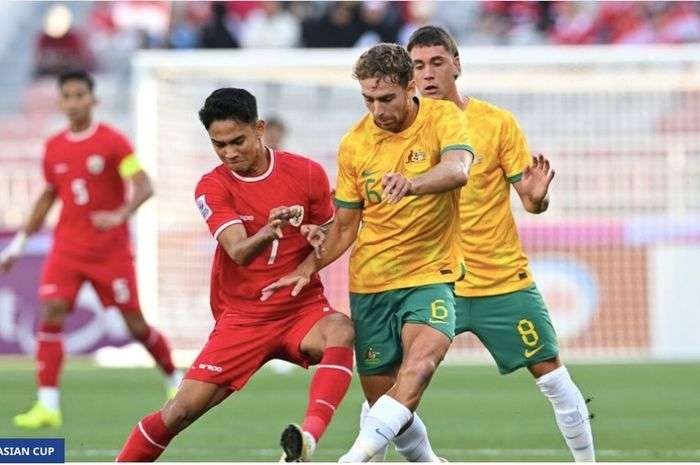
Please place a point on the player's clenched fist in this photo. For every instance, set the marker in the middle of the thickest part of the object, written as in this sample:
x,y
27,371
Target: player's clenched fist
x,y
396,187
281,216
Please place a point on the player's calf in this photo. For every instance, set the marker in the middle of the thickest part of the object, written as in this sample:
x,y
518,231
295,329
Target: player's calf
x,y
570,412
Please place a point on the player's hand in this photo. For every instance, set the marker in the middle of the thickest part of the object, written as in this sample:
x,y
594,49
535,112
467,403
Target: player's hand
x,y
315,235
281,216
107,219
298,279
7,260
396,187
13,250
536,178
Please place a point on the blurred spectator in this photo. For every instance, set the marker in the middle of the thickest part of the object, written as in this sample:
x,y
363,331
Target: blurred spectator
x,y
337,27
219,32
625,23
270,26
679,23
275,130
186,18
573,23
59,46
417,14
380,22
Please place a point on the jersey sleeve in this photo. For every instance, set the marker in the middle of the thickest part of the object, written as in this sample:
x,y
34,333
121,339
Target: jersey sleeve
x,y
127,163
46,168
216,206
451,129
514,154
347,195
321,205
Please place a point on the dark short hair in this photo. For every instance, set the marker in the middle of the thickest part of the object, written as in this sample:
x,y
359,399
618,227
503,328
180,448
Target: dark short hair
x,y
390,61
77,75
427,36
229,103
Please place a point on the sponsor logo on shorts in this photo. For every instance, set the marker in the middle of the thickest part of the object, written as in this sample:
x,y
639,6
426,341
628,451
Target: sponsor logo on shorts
x,y
214,368
522,275
445,271
530,353
203,207
247,217
371,356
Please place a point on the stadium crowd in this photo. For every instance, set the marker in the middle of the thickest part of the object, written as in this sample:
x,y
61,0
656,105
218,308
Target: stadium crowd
x,y
126,25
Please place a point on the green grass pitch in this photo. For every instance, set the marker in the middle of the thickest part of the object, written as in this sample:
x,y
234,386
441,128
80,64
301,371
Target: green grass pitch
x,y
644,412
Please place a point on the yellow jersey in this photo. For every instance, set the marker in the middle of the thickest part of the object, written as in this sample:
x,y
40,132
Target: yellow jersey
x,y
496,263
412,242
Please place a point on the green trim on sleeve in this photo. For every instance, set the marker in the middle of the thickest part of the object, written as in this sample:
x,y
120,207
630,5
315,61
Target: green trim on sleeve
x,y
457,147
129,166
515,177
346,204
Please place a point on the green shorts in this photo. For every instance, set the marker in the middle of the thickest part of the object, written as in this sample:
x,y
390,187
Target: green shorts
x,y
379,317
514,327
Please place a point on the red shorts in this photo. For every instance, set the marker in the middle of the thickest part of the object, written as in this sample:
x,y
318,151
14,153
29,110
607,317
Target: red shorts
x,y
234,353
113,279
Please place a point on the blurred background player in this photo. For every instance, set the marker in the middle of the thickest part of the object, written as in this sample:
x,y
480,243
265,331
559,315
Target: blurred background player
x,y
498,300
261,206
275,132
86,167
401,300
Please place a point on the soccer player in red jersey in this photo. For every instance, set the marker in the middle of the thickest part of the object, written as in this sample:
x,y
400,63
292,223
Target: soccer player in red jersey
x,y
263,207
86,167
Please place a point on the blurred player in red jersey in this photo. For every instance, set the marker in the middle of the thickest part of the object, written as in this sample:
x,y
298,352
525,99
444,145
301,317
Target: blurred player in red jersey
x,y
86,166
264,208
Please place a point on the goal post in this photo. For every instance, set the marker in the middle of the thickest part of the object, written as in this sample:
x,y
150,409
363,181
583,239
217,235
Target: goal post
x,y
621,126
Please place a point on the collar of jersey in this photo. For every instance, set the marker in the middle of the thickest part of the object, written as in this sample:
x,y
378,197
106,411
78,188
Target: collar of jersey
x,y
82,135
262,176
409,131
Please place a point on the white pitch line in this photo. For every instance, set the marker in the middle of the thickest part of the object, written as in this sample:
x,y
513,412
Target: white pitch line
x,y
484,452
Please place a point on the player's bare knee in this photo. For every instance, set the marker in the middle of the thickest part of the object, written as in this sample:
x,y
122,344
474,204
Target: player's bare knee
x,y
341,333
136,324
55,312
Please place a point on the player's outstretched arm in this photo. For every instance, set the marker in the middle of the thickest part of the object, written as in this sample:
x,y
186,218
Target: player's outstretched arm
x,y
14,249
142,190
451,173
533,187
243,248
341,234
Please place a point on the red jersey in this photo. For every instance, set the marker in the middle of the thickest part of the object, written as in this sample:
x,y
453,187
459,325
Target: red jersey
x,y
225,198
83,169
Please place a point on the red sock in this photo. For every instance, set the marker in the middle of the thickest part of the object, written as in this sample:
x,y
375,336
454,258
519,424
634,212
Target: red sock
x,y
328,387
148,439
49,354
157,345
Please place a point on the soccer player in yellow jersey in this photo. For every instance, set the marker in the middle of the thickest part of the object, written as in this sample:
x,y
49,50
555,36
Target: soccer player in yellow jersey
x,y
498,300
399,173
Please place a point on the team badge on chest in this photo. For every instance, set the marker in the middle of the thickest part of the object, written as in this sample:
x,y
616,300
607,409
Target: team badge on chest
x,y
95,164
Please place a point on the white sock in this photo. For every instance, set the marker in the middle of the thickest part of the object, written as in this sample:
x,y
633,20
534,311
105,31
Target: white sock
x,y
49,397
174,379
413,443
570,411
380,456
382,423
